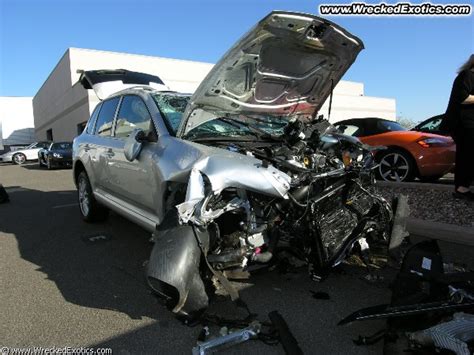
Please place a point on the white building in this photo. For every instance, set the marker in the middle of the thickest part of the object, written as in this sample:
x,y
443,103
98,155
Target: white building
x,y
16,121
62,106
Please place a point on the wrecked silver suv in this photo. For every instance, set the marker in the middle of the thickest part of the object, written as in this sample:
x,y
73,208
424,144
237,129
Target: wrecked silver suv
x,y
240,174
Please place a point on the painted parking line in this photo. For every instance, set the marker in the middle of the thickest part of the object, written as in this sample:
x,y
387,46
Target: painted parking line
x,y
67,205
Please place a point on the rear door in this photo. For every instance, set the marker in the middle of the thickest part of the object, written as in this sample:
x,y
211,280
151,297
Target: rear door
x,y
98,147
133,182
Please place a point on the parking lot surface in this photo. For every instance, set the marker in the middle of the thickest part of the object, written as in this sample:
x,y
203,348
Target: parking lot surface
x,y
68,283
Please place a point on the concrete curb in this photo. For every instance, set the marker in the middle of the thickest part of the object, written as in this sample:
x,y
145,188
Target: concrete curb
x,y
415,185
441,231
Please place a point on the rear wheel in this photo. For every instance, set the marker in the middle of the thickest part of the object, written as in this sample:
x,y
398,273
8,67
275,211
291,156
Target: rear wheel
x,y
19,158
396,165
91,210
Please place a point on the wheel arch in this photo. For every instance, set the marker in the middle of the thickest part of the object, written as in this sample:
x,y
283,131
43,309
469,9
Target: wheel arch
x,y
77,169
399,148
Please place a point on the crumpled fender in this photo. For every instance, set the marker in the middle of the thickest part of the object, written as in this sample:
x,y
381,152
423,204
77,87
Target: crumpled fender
x,y
173,269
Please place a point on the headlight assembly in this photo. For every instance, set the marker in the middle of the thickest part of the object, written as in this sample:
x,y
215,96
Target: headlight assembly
x,y
57,155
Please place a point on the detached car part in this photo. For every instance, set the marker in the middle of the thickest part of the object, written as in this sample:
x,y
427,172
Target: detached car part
x,y
223,342
451,335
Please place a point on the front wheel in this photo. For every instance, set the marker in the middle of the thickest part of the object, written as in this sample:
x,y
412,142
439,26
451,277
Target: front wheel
x,y
91,210
19,159
396,165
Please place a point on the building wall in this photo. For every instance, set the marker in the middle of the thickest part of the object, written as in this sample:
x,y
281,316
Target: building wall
x,y
61,103
16,121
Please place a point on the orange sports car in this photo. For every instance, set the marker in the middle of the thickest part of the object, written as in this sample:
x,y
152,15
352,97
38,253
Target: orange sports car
x,y
409,154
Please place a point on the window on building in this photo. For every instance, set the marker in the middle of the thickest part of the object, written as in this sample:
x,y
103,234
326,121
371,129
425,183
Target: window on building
x,y
105,119
49,134
133,114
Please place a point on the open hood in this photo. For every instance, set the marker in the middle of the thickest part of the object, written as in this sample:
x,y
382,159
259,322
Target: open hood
x,y
106,82
286,66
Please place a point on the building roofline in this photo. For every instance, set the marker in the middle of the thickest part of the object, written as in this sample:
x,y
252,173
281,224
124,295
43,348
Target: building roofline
x,y
138,55
51,72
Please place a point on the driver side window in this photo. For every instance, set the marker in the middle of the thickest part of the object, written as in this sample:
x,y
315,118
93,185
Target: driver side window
x,y
133,114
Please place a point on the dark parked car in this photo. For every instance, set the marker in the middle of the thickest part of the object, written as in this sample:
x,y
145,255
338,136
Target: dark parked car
x,y
57,154
431,125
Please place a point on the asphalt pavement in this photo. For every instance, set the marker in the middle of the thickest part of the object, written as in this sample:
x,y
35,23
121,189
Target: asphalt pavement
x,y
68,283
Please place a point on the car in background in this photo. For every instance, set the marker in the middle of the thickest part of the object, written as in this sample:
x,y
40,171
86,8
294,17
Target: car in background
x,y
57,154
23,155
408,154
431,125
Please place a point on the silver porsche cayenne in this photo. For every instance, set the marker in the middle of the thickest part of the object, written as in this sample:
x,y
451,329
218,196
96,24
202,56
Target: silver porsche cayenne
x,y
241,171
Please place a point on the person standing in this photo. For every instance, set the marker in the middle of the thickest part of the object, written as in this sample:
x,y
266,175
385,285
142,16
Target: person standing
x,y
459,122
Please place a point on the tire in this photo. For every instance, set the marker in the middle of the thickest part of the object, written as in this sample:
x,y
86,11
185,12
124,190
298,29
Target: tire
x,y
396,165
90,209
19,159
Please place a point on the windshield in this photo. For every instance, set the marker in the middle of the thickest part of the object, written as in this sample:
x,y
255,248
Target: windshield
x,y
171,106
239,126
64,146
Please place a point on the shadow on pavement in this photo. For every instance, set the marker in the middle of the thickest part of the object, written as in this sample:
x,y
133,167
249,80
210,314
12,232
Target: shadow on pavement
x,y
109,274
105,274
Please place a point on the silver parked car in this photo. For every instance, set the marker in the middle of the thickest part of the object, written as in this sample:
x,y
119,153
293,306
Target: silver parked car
x,y
239,175
21,156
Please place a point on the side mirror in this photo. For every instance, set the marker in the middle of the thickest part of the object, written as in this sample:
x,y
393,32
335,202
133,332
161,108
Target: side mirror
x,y
133,144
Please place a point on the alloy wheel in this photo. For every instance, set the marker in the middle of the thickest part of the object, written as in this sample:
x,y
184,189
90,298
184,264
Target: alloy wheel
x,y
394,167
19,158
84,198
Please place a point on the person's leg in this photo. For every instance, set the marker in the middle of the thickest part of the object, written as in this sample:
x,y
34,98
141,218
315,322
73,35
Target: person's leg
x,y
461,170
464,165
470,157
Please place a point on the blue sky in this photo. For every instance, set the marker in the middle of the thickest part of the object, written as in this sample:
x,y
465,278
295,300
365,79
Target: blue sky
x,y
411,59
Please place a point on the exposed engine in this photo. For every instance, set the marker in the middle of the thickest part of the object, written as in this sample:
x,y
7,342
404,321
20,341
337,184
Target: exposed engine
x,y
306,195
329,204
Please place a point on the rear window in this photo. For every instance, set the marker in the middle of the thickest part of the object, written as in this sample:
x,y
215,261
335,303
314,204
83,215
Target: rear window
x,y
105,119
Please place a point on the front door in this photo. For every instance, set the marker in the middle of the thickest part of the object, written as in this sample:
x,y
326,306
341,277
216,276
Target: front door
x,y
133,182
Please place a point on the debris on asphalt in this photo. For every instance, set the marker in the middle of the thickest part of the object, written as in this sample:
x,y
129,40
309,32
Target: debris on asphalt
x,y
452,335
228,340
3,195
401,210
422,312
288,341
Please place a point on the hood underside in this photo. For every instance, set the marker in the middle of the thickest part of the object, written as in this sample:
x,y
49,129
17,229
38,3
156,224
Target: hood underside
x,y
285,66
